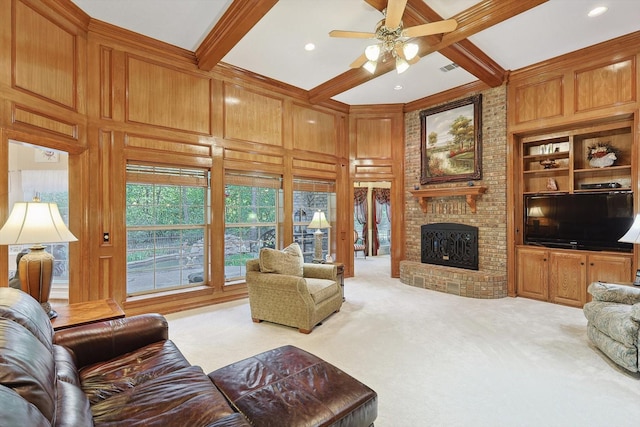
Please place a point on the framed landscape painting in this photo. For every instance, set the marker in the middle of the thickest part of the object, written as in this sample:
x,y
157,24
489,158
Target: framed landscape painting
x,y
451,140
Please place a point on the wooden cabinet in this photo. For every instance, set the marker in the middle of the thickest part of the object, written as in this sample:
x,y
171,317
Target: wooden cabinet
x,y
559,161
562,276
533,277
569,161
568,278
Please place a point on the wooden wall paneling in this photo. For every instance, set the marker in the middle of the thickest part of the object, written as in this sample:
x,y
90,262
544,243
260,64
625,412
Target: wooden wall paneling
x,y
605,85
105,278
44,122
6,48
106,82
217,109
40,44
4,201
106,160
217,224
152,149
252,116
398,196
252,162
373,137
150,84
286,232
315,169
313,130
80,199
539,100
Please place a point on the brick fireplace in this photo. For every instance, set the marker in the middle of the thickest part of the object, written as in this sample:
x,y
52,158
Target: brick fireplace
x,y
490,216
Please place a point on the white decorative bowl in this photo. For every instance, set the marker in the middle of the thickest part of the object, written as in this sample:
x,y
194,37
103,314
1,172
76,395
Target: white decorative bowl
x,y
603,162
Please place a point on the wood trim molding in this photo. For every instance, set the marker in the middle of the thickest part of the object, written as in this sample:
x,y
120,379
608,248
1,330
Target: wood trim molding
x,y
244,77
446,96
139,42
464,53
238,19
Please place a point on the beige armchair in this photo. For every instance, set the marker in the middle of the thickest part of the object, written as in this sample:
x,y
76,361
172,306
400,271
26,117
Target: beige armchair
x,y
301,301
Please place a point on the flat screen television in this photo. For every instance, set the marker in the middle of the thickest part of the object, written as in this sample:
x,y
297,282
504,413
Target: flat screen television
x,y
587,221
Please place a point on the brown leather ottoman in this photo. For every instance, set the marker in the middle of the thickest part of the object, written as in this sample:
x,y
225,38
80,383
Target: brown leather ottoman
x,y
289,387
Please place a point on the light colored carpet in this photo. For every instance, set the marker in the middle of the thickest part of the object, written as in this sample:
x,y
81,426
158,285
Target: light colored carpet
x,y
438,359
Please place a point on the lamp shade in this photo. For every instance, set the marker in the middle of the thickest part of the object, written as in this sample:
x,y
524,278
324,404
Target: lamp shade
x,y
633,235
401,65
536,212
372,52
35,222
319,221
410,51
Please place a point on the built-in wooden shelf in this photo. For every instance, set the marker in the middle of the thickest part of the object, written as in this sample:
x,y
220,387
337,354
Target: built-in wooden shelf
x,y
470,192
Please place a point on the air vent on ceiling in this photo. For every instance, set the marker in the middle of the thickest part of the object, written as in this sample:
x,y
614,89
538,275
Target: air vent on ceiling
x,y
449,67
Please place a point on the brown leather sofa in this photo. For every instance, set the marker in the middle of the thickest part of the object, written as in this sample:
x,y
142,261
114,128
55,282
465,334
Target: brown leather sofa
x,y
122,372
126,372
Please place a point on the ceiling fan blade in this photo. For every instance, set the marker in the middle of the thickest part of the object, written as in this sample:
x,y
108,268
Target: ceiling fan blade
x,y
430,28
352,34
395,10
359,62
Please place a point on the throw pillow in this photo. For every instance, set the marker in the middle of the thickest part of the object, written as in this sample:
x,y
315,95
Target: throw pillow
x,y
288,261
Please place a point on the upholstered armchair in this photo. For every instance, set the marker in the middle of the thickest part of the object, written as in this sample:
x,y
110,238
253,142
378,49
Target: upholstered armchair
x,y
284,289
613,322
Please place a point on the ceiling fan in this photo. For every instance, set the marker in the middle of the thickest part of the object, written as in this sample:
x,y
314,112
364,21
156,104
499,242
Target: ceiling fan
x,y
393,39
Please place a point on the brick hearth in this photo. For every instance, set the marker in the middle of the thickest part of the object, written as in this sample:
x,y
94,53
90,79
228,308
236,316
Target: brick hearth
x,y
457,281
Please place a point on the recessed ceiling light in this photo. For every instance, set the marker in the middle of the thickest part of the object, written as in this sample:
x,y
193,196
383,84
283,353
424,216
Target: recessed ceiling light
x,y
597,11
309,47
398,87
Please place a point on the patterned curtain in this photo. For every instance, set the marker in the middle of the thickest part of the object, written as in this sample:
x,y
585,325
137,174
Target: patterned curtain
x,y
382,200
360,207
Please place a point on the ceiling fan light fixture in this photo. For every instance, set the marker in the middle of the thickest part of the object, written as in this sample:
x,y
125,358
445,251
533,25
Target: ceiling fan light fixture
x,y
410,50
401,65
372,52
370,66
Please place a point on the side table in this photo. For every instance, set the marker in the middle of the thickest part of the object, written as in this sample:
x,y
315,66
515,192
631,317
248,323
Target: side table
x,y
340,277
82,313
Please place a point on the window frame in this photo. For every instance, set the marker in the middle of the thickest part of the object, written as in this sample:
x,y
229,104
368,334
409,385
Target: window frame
x,y
153,174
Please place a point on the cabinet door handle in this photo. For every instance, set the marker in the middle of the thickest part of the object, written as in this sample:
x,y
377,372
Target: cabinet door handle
x,y
582,263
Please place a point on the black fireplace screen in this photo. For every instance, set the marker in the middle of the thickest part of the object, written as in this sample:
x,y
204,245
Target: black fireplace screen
x,y
453,245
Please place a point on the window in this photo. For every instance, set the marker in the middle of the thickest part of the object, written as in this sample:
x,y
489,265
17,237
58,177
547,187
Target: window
x,y
308,197
167,221
252,206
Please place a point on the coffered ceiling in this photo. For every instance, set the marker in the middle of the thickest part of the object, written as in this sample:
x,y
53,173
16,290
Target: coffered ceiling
x,y
267,37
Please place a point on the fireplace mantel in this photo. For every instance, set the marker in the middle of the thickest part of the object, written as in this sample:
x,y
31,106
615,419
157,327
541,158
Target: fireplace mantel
x,y
470,192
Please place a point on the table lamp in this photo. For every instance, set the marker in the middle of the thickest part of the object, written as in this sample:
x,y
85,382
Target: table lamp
x,y
633,236
35,223
319,222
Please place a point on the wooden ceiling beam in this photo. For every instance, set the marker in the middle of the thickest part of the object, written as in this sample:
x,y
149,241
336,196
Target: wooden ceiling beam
x,y
454,45
464,53
238,19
